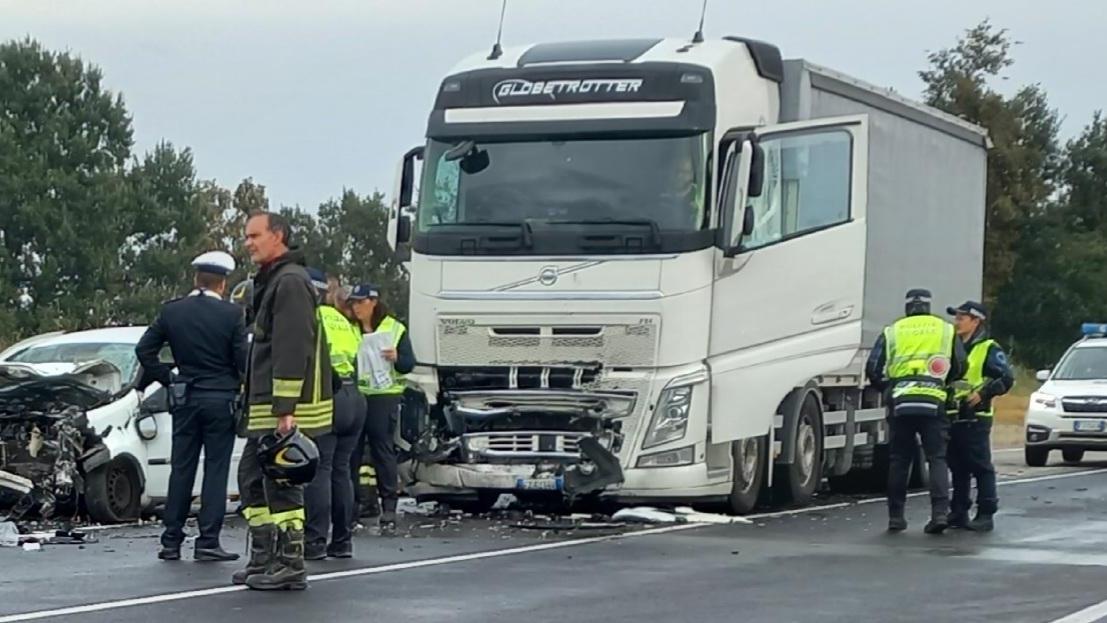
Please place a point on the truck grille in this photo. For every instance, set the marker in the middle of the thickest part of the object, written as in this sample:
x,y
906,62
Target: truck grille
x,y
1084,404
524,444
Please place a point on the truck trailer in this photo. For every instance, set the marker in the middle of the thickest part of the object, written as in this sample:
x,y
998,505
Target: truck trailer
x,y
651,270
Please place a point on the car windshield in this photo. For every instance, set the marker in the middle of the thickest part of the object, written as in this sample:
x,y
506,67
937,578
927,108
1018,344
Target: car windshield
x,y
1083,364
658,180
119,354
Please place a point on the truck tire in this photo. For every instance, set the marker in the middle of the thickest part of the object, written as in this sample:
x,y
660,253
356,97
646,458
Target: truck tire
x,y
749,460
920,471
797,482
1036,457
1072,455
113,493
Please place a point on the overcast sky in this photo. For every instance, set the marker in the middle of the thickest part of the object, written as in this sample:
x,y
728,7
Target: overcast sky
x,y
309,97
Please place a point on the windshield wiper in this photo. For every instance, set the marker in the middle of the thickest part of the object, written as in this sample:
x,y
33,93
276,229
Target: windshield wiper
x,y
655,229
524,227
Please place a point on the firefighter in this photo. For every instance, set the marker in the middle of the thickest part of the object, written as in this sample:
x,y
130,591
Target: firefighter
x,y
912,362
288,389
970,445
383,402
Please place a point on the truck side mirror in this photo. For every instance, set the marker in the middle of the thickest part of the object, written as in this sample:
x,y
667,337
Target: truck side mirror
x,y
403,229
757,169
407,178
747,221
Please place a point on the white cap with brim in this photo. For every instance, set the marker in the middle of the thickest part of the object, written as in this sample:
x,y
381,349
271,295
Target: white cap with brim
x,y
214,262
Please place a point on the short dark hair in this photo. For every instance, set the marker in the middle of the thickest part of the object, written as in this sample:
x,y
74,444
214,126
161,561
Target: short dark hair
x,y
276,223
209,281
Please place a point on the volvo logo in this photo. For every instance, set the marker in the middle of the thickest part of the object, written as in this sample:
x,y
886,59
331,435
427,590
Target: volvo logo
x,y
548,276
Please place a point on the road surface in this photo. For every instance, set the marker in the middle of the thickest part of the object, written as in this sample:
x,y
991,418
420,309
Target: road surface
x,y
1047,562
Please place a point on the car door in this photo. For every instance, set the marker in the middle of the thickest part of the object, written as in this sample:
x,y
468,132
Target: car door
x,y
788,285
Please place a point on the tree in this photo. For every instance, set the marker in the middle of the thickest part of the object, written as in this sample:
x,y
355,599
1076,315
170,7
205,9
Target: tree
x,y
64,143
1024,161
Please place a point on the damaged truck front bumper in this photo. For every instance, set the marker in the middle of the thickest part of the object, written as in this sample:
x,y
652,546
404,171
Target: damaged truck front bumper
x,y
527,440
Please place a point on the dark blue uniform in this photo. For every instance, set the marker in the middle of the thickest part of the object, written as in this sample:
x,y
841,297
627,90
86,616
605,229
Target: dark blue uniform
x,y
208,338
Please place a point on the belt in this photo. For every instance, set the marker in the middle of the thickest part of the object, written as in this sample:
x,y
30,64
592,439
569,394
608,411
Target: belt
x,y
349,381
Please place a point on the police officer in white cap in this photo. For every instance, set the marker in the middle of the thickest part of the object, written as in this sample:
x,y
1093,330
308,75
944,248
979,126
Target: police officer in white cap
x,y
207,336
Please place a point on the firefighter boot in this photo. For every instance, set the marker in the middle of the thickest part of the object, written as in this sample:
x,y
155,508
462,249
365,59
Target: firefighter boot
x,y
287,572
263,545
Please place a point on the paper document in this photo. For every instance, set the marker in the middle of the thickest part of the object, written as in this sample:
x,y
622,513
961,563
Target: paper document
x,y
372,366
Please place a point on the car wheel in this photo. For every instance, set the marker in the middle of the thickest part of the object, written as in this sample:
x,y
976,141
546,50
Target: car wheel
x,y
749,460
1036,457
113,493
1072,455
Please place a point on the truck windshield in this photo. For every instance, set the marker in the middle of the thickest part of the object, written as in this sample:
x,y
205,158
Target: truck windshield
x,y
650,180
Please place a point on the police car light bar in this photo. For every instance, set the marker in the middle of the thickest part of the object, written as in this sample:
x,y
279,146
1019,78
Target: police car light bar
x,y
1091,329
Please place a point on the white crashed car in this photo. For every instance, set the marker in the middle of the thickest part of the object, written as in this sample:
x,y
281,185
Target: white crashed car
x,y
74,433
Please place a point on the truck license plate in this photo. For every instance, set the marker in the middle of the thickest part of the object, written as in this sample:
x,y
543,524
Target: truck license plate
x,y
1088,426
540,484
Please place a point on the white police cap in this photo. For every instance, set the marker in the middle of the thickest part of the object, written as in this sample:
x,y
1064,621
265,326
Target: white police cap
x,y
215,262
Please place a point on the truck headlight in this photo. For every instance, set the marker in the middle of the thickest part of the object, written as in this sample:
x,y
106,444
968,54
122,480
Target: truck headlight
x,y
1044,400
670,418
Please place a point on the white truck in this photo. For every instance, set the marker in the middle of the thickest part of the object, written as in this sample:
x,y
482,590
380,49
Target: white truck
x,y
651,270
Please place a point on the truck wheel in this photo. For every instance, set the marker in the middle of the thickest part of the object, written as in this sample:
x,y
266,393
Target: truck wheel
x,y
920,471
113,493
1037,457
1072,455
748,456
797,482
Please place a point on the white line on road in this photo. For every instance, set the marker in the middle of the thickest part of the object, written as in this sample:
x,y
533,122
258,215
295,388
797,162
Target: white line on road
x,y
1092,613
166,597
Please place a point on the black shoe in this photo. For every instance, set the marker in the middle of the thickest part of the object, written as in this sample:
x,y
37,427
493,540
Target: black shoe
x,y
170,553
315,551
958,521
982,523
341,550
936,525
213,554
897,524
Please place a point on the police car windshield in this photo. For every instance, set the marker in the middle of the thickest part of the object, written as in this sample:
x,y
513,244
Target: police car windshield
x,y
121,355
1083,364
656,179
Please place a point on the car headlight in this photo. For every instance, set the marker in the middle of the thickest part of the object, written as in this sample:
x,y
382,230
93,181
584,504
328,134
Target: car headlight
x,y
670,418
1045,400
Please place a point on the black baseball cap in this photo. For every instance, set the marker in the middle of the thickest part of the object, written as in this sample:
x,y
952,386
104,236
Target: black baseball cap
x,y
971,308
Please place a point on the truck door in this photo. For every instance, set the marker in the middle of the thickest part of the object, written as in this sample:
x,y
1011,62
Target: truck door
x,y
789,272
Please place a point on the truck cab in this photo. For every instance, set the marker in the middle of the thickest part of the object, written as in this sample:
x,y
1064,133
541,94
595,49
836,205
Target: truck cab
x,y
638,270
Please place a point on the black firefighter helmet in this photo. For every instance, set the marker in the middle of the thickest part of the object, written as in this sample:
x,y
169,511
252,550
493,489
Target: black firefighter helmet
x,y
290,459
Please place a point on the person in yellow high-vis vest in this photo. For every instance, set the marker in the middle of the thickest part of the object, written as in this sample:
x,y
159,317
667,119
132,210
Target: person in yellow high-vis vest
x,y
970,444
912,362
383,403
329,499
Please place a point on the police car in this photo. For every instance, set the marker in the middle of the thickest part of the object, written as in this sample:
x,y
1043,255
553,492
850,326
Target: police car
x,y
1069,411
74,432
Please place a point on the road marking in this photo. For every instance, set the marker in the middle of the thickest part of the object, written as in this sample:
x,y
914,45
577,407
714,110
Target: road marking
x,y
1090,614
166,597
417,564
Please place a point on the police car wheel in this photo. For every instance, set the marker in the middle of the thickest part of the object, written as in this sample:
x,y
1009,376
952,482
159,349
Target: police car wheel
x,y
1072,455
1037,457
113,493
748,456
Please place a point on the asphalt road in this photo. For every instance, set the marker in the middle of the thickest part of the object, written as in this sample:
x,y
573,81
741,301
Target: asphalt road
x,y
1047,560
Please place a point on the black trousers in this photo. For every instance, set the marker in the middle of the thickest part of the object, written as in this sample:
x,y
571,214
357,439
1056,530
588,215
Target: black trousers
x,y
205,423
970,456
382,417
329,499
904,431
264,500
